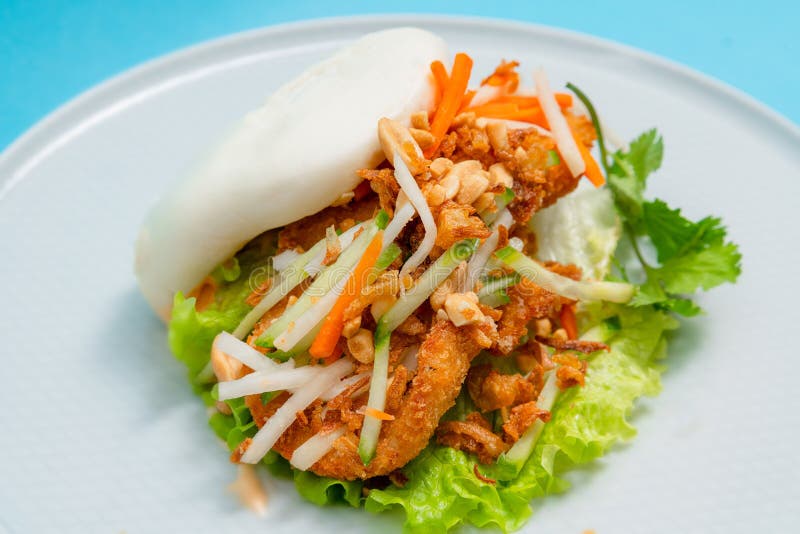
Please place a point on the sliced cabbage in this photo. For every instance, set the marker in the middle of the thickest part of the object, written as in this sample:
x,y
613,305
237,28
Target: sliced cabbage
x,y
581,228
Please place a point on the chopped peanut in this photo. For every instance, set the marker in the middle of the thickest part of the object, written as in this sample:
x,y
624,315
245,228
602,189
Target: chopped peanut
x,y
462,308
419,120
499,175
423,137
436,195
450,285
543,327
473,185
351,327
361,346
440,166
560,335
498,135
485,202
466,118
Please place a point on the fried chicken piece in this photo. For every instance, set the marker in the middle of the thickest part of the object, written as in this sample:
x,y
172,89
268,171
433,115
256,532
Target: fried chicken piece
x,y
456,222
586,347
382,181
571,371
305,233
527,301
442,364
521,418
473,436
491,390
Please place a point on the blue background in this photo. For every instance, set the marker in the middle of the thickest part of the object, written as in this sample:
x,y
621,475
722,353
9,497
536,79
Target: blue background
x,y
50,51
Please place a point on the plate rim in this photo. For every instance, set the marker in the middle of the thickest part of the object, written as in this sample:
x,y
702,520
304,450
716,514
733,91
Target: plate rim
x,y
56,127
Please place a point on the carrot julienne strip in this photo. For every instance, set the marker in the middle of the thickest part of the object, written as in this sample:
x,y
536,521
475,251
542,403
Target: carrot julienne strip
x,y
325,342
377,414
568,322
451,100
592,172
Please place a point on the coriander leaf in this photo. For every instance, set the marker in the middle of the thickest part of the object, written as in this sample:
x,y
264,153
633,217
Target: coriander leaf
x,y
645,154
672,234
627,178
704,269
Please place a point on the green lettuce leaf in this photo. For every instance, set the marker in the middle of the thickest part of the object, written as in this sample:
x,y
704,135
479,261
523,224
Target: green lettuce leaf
x,y
443,491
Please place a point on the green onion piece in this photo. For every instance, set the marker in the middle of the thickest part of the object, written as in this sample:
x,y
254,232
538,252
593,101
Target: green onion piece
x,y
492,285
399,312
324,282
381,219
391,253
496,299
371,428
561,285
553,158
281,285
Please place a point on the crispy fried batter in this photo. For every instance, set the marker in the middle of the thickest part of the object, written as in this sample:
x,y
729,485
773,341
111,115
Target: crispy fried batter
x,y
527,301
457,222
491,390
443,361
382,181
303,234
571,371
586,347
473,436
397,388
522,417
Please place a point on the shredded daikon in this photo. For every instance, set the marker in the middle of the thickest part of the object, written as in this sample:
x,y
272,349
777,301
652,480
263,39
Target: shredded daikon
x,y
239,350
343,385
283,418
417,199
403,213
284,259
315,448
263,382
345,240
562,134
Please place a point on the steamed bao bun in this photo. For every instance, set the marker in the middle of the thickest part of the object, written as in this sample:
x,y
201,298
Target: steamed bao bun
x,y
290,158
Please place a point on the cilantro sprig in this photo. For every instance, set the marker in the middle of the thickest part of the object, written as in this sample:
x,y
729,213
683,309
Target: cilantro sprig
x,y
689,255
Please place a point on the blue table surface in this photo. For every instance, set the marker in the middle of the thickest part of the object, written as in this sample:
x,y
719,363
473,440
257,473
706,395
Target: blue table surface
x,y
52,50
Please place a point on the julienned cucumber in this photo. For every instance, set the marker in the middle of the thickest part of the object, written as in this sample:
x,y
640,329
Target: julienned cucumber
x,y
402,309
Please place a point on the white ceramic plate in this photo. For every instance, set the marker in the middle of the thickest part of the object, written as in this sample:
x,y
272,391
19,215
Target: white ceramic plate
x,y
100,431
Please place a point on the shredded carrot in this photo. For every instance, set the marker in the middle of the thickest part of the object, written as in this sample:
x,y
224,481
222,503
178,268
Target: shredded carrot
x,y
377,414
504,74
487,110
363,189
592,172
440,74
451,100
332,325
338,350
568,322
465,102
564,100
509,111
441,78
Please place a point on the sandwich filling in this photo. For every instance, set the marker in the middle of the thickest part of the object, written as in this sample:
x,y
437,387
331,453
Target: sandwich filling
x,y
451,317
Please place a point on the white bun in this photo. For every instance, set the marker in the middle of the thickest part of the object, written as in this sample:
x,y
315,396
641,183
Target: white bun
x,y
290,158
